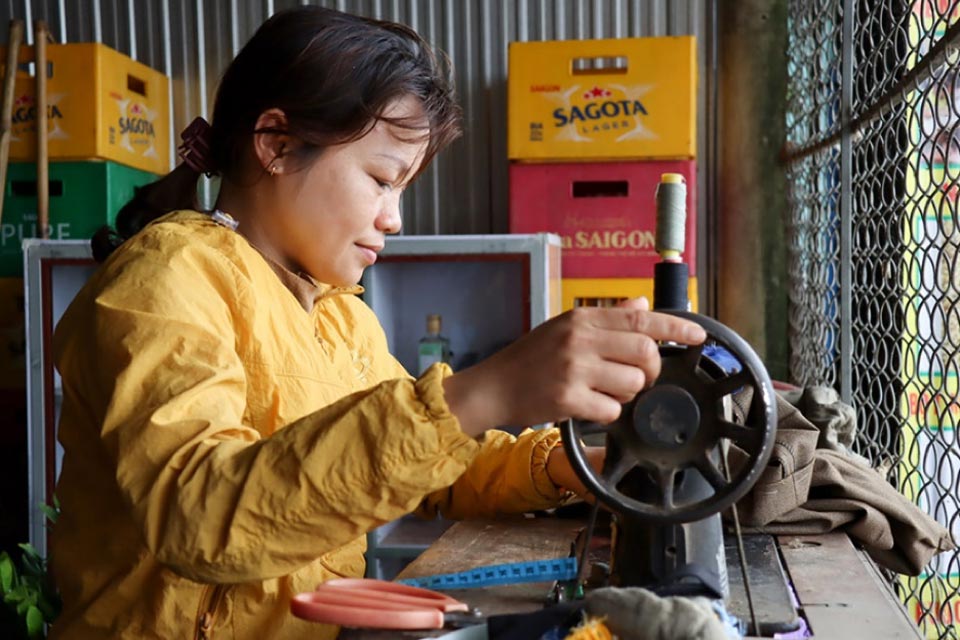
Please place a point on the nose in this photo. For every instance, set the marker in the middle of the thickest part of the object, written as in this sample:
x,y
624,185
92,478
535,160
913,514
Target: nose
x,y
389,221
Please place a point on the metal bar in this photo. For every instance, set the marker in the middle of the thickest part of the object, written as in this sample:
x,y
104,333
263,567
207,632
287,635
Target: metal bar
x,y
168,71
523,21
846,204
234,29
598,21
559,20
132,27
713,127
43,161
936,56
580,13
202,91
543,19
28,20
201,59
619,23
97,22
62,13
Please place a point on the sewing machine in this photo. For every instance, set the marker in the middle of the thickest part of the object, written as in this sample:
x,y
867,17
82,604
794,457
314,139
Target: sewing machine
x,y
666,477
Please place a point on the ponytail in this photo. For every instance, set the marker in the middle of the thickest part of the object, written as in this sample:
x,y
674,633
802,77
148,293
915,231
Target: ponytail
x,y
177,190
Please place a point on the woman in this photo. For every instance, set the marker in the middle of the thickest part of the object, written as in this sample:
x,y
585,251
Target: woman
x,y
233,423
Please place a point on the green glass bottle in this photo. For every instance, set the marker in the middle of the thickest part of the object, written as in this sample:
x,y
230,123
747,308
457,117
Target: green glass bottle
x,y
433,347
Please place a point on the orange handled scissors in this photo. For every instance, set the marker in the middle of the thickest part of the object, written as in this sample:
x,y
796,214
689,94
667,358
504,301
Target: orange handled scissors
x,y
377,604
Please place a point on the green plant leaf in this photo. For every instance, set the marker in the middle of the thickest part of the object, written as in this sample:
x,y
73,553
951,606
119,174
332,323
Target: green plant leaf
x,y
17,594
34,621
29,549
32,567
49,512
7,572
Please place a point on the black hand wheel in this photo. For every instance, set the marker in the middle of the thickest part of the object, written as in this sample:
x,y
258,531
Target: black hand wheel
x,y
678,425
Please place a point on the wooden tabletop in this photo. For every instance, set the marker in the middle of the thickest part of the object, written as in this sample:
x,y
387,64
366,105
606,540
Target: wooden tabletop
x,y
841,593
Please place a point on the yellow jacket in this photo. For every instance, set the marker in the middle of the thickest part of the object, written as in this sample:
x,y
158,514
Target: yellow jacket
x,y
231,432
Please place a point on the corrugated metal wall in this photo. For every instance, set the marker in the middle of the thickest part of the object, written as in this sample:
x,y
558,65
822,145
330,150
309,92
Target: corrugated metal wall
x,y
466,189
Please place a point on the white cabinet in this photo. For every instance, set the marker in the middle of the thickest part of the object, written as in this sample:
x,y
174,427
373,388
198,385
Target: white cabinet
x,y
488,289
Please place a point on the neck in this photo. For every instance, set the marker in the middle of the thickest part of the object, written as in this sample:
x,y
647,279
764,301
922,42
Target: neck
x,y
246,205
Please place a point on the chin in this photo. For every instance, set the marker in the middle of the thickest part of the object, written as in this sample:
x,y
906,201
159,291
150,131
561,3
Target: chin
x,y
347,280
336,278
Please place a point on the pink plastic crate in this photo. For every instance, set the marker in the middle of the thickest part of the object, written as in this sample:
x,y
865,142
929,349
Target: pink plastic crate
x,y
605,212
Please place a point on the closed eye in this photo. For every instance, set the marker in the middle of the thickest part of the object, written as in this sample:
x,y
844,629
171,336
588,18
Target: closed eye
x,y
383,184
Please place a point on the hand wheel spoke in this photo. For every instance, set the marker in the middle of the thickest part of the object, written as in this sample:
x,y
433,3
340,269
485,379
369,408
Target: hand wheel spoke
x,y
692,355
743,436
708,468
590,428
614,474
726,386
666,479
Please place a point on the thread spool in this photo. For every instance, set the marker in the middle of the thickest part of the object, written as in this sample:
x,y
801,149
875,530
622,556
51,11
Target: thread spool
x,y
671,200
670,286
671,274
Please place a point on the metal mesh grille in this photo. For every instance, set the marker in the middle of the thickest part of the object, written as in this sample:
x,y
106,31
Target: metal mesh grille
x,y
813,114
874,172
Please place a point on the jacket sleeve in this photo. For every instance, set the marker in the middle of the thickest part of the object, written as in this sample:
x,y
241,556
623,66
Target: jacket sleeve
x,y
507,476
214,500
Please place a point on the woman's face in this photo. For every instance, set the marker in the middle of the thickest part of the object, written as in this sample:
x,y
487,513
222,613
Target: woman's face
x,y
332,217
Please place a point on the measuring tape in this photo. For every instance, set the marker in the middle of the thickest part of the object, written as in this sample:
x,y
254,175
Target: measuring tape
x,y
560,569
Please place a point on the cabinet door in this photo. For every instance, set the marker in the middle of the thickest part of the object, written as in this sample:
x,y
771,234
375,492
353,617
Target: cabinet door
x,y
55,270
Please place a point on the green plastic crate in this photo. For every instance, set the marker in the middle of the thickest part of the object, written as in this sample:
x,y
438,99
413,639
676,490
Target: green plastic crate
x,y
83,197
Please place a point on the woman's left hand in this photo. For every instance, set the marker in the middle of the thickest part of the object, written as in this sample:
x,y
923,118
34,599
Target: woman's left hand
x,y
563,475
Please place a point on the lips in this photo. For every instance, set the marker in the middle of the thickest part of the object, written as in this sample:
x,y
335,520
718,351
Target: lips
x,y
370,251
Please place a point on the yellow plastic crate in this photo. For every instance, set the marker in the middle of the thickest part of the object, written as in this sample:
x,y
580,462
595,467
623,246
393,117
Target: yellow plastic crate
x,y
603,291
602,99
100,104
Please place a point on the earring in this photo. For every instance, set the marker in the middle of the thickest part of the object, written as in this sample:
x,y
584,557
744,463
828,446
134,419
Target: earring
x,y
273,169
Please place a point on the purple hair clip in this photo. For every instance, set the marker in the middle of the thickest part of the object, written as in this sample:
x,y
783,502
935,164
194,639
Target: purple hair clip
x,y
195,150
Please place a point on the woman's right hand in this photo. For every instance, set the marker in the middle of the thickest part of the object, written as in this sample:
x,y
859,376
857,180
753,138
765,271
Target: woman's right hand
x,y
583,364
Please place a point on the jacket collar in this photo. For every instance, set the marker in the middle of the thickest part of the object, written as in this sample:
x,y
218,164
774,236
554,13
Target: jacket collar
x,y
304,288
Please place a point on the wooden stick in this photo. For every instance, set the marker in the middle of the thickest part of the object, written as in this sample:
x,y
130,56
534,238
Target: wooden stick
x,y
14,39
40,36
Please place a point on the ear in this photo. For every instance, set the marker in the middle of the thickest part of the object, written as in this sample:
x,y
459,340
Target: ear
x,y
270,147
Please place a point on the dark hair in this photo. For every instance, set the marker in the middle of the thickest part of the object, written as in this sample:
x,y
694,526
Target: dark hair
x,y
332,74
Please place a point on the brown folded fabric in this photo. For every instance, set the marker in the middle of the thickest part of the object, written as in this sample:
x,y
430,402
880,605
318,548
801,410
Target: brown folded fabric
x,y
836,420
846,495
806,490
785,483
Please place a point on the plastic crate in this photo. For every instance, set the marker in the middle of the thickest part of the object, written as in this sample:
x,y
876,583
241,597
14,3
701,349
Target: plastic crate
x,y
604,212
100,104
592,292
602,99
83,197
